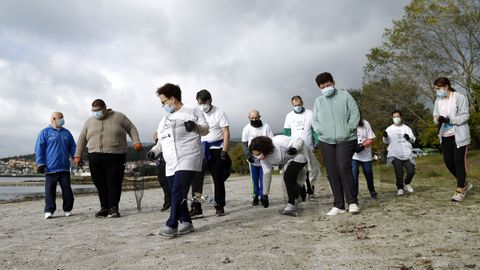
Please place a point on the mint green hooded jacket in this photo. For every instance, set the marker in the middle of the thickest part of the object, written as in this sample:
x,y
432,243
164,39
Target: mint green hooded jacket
x,y
335,118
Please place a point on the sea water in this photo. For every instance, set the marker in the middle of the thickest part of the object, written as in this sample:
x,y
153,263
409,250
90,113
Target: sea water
x,y
9,190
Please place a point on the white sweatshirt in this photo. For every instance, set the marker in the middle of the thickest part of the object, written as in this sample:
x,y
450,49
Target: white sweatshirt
x,y
182,150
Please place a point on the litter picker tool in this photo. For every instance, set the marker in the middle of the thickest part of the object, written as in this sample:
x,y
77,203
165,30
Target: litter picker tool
x,y
139,181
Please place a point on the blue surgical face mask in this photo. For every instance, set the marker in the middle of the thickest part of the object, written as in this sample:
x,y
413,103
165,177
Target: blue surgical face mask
x,y
97,114
441,93
61,122
298,109
169,109
328,91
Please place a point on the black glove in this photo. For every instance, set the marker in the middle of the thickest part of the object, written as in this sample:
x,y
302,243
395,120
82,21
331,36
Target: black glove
x,y
41,169
292,151
441,119
190,126
150,155
359,148
385,134
406,137
224,155
447,120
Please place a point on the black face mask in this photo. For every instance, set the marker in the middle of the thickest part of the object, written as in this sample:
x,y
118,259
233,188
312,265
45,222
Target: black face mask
x,y
256,123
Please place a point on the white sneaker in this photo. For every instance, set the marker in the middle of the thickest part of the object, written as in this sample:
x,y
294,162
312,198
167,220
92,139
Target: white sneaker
x,y
335,211
459,196
290,210
48,215
68,213
400,192
409,188
353,209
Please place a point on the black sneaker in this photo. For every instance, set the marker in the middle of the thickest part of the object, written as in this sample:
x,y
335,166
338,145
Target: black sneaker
x,y
264,201
196,212
220,212
102,213
165,207
113,213
255,201
373,194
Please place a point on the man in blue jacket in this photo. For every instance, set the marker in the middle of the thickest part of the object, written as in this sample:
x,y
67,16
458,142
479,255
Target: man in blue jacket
x,y
335,120
53,149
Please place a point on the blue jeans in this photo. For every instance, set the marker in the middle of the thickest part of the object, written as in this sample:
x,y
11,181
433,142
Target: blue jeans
x,y
51,179
257,180
179,184
367,171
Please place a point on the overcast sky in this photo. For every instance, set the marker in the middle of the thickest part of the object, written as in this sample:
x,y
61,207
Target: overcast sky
x,y
61,55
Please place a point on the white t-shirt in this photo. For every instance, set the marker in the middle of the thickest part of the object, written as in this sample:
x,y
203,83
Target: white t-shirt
x,y
398,146
216,119
447,107
364,133
249,133
300,125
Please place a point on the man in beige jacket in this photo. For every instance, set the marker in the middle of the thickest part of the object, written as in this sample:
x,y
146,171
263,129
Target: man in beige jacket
x,y
104,134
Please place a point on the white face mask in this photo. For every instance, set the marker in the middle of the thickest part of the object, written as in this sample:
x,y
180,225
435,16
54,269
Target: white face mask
x,y
397,120
259,157
205,107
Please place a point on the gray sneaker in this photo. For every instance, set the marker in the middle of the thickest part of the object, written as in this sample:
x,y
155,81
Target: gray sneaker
x,y
185,227
169,232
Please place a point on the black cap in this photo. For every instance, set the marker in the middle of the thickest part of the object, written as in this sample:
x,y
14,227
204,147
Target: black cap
x,y
204,95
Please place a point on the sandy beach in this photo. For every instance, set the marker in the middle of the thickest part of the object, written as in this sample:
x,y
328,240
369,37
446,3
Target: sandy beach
x,y
422,230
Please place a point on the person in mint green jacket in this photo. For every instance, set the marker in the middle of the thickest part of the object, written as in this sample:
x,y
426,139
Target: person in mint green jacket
x,y
335,119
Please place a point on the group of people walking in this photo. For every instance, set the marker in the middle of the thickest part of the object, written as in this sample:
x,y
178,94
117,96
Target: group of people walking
x,y
191,140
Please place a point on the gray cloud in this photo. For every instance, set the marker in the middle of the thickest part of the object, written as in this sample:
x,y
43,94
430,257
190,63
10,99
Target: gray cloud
x,y
249,54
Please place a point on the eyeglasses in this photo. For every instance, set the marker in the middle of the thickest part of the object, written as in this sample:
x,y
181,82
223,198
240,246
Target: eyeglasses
x,y
163,102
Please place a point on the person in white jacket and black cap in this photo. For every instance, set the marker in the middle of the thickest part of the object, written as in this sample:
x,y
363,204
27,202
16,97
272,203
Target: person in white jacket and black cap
x,y
399,138
179,134
293,155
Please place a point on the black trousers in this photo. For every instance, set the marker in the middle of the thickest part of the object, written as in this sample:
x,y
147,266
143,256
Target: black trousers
x,y
107,174
163,181
338,161
216,168
409,166
454,159
290,179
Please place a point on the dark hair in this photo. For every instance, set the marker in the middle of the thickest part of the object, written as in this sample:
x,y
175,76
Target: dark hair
x,y
170,90
262,144
204,95
360,122
397,111
99,103
297,98
442,81
323,78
